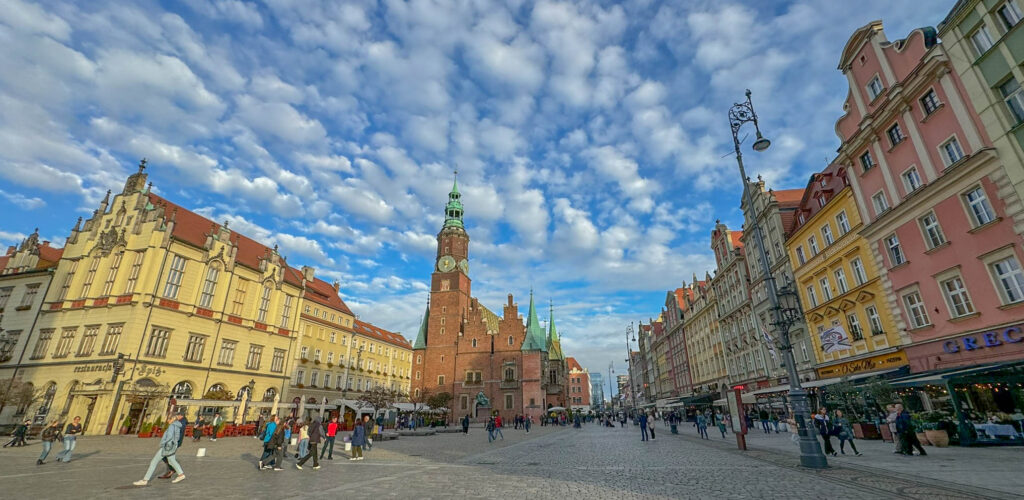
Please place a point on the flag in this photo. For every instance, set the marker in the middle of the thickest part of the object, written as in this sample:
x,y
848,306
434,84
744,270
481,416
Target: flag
x,y
768,340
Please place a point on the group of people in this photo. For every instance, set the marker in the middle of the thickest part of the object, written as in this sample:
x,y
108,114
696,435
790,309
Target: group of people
x,y
276,434
51,434
834,425
903,432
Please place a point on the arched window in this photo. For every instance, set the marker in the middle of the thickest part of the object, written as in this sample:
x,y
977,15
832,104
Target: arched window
x,y
217,387
244,390
511,340
44,406
269,395
474,342
183,390
510,373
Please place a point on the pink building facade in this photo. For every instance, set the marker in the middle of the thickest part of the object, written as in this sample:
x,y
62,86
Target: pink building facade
x,y
934,196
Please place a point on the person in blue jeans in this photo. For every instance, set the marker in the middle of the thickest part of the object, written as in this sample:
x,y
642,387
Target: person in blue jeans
x,y
50,434
643,426
267,434
70,439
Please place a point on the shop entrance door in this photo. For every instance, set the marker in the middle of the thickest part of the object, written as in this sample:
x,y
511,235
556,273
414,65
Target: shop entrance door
x,y
88,412
135,416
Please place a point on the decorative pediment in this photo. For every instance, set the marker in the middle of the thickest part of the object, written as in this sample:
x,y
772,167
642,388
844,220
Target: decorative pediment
x,y
847,304
816,317
864,296
108,240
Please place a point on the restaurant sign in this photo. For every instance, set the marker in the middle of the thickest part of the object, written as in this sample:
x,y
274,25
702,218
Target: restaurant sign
x,y
104,367
988,340
882,362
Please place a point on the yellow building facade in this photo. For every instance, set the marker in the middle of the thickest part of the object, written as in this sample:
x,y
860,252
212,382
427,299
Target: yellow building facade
x,y
703,337
152,305
846,308
338,357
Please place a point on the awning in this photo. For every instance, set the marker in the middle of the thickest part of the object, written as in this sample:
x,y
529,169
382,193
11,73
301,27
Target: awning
x,y
770,390
748,399
849,378
940,377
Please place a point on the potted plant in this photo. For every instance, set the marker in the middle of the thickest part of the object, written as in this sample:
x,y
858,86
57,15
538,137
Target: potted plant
x,y
330,365
864,430
316,361
125,425
146,430
304,360
935,425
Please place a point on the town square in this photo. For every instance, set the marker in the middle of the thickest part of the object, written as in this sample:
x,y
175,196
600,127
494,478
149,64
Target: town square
x,y
512,249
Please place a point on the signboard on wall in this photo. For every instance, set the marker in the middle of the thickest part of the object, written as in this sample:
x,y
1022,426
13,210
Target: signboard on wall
x,y
834,339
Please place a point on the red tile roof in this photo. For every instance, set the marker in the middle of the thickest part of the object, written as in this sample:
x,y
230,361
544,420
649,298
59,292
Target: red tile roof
x,y
49,254
365,328
193,228
573,364
789,197
734,238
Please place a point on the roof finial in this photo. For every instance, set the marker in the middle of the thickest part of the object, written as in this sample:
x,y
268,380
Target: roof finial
x,y
142,165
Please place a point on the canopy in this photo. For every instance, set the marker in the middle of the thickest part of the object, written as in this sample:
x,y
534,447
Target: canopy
x,y
556,408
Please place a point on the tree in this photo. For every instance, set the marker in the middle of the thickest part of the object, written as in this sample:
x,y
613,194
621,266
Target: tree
x,y
378,397
440,401
419,401
144,393
18,394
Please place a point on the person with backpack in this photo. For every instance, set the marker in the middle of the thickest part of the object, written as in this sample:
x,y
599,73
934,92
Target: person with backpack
x,y
315,433
168,448
170,470
276,445
268,432
50,434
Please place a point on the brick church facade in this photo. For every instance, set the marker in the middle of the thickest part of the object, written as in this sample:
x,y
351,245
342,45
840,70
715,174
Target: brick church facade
x,y
486,362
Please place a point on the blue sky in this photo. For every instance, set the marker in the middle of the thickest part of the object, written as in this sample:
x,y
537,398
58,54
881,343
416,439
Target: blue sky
x,y
589,136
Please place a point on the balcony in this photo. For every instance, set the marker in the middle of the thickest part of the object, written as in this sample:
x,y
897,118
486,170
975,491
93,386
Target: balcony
x,y
509,384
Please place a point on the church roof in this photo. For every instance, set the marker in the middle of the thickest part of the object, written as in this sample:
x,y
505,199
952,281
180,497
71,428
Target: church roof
x,y
534,333
421,337
554,345
490,318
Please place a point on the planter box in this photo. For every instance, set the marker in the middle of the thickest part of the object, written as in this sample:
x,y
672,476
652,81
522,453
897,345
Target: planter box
x,y
145,434
866,431
938,437
886,433
923,438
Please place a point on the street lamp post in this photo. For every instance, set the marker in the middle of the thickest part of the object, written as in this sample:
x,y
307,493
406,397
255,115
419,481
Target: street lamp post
x,y
784,315
629,361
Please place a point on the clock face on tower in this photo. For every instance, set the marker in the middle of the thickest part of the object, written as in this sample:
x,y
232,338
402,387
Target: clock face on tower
x,y
464,265
446,263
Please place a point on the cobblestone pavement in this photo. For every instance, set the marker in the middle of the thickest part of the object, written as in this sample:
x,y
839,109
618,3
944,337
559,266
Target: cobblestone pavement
x,y
549,462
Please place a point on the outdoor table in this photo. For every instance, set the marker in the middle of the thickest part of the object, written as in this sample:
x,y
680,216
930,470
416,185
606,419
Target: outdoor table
x,y
996,430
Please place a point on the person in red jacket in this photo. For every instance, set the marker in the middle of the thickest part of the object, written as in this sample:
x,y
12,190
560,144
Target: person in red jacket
x,y
332,430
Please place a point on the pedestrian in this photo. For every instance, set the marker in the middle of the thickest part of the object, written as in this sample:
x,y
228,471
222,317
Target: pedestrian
x,y
497,428
303,440
702,426
906,429
527,423
721,427
50,434
287,435
268,432
197,431
490,429
276,445
368,428
824,426
358,440
71,433
316,432
181,438
643,426
168,448
332,431
465,424
259,427
217,423
774,418
897,438
18,436
843,430
763,416
650,425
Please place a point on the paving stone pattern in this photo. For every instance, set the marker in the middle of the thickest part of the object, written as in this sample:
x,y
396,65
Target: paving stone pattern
x,y
548,462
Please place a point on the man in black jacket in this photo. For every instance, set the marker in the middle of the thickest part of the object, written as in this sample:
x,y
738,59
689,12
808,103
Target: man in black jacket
x,y
315,434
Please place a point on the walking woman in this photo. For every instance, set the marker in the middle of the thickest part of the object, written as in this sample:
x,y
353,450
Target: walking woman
x,y
50,434
843,430
358,440
702,426
824,425
303,440
168,447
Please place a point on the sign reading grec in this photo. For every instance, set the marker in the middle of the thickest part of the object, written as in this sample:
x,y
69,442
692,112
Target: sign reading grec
x,y
987,340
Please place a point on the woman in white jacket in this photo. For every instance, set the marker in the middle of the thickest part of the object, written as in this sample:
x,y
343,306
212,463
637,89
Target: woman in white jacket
x,y
168,447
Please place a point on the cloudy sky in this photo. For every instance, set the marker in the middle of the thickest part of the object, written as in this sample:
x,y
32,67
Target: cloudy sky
x,y
590,137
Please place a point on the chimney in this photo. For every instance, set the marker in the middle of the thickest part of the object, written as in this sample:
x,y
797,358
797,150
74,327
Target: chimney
x,y
307,273
336,285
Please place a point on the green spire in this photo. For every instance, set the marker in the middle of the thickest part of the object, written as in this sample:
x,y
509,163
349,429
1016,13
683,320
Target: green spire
x,y
554,345
421,338
534,333
453,210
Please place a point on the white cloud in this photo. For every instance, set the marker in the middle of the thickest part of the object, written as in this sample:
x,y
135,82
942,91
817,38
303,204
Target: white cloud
x,y
23,201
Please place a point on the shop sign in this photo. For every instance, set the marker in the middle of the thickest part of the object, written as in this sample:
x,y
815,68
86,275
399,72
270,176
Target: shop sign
x,y
105,367
892,360
988,340
147,371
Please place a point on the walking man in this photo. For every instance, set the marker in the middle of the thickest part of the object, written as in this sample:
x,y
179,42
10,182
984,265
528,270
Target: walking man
x,y
71,433
50,434
168,447
890,420
268,432
465,424
497,428
702,426
906,429
763,415
490,429
18,436
528,422
332,430
643,427
315,433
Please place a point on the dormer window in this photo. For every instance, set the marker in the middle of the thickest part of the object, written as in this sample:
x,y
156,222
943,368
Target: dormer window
x,y
875,87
